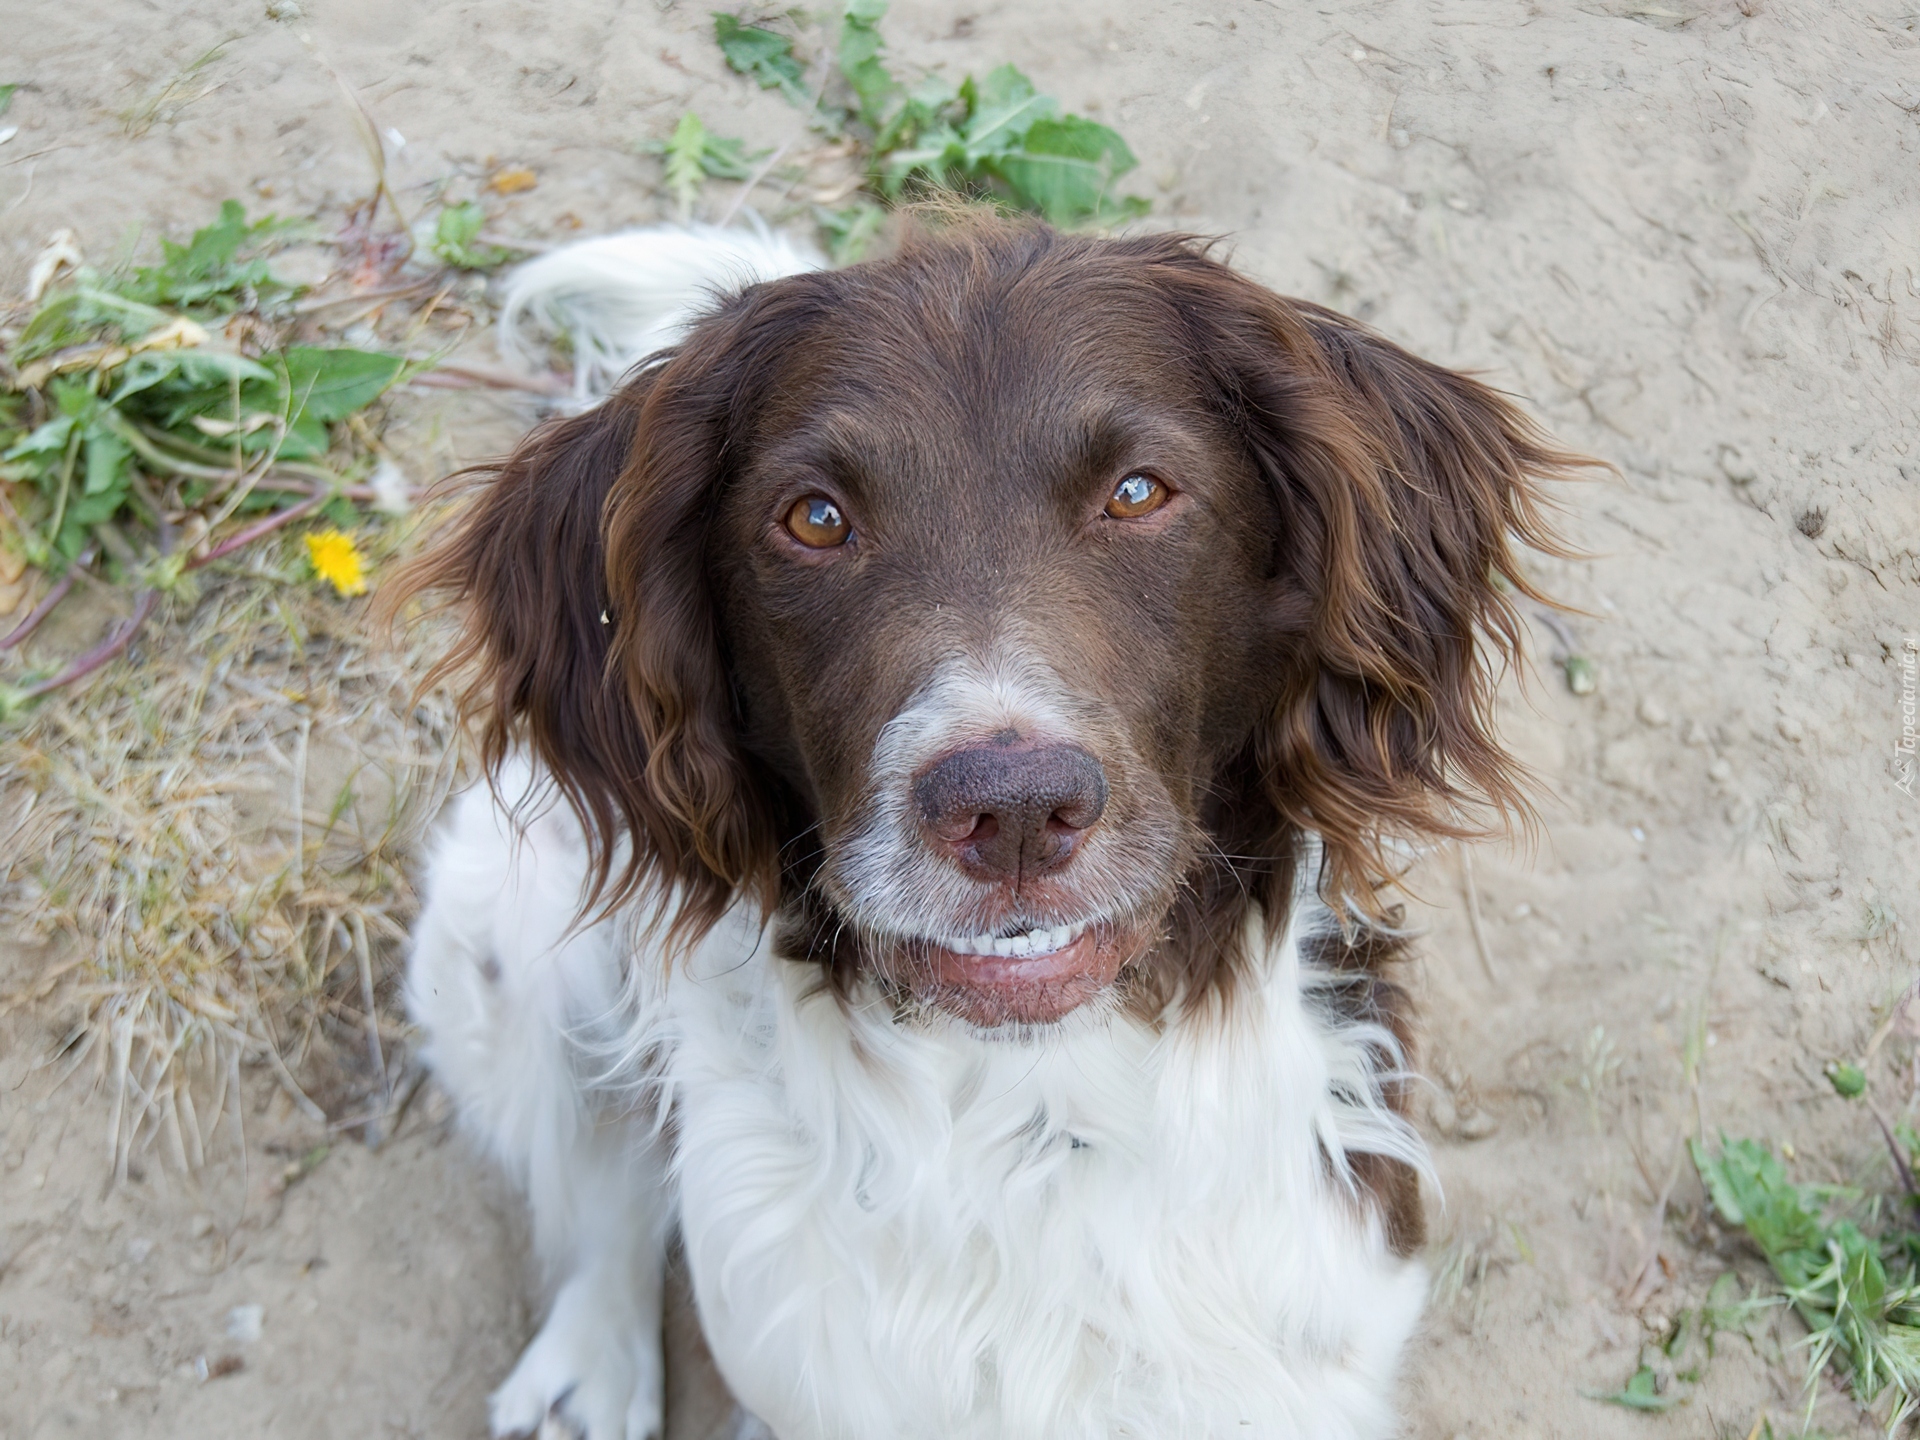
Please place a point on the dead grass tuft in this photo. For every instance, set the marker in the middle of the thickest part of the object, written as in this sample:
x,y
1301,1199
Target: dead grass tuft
x,y
213,836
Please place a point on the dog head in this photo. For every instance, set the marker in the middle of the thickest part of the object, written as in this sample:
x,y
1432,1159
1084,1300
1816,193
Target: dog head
x,y
1002,614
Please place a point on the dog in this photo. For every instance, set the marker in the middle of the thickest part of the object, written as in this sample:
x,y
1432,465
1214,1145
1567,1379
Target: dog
x,y
950,721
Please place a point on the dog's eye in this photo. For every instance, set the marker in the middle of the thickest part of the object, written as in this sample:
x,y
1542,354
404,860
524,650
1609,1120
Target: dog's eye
x,y
1137,495
817,523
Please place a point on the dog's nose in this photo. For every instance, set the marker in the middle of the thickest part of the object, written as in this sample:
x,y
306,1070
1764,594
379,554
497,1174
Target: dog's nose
x,y
1011,814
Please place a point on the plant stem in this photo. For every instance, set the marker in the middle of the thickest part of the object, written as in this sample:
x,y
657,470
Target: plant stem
x,y
18,635
66,484
155,456
117,640
265,527
122,634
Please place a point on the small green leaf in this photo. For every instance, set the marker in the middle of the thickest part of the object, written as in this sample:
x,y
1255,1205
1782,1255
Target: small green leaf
x,y
1640,1393
685,174
1065,168
330,385
1847,1080
83,513
6,96
761,55
193,370
48,438
1001,109
455,236
108,459
872,84
216,267
693,153
80,315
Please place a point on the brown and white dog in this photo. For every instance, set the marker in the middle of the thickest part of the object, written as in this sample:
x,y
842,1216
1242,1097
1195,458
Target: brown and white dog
x,y
972,699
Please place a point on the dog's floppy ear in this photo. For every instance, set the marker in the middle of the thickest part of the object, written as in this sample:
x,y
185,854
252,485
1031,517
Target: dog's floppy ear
x,y
1403,491
601,654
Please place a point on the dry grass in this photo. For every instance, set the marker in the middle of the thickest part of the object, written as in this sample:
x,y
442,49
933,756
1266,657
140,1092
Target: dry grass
x,y
213,837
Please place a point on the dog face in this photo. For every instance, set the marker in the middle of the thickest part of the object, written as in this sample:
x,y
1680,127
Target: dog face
x,y
978,573
1003,612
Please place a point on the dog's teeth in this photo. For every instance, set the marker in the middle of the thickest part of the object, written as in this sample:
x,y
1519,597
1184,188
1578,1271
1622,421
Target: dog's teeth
x,y
1038,941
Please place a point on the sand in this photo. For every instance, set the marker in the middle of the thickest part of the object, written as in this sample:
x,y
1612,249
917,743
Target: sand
x,y
1688,233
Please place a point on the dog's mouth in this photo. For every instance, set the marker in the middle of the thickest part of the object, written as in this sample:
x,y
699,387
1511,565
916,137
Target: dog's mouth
x,y
1034,977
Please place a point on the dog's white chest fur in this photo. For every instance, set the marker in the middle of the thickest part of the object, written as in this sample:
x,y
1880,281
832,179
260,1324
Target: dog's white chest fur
x,y
904,1231
901,1229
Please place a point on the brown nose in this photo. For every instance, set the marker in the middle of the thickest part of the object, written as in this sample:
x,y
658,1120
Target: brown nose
x,y
1009,814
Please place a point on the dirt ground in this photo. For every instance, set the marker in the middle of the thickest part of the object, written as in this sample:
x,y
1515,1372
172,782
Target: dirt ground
x,y
1687,231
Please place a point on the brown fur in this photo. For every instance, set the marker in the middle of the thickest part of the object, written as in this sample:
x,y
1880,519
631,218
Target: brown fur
x,y
1367,960
1308,640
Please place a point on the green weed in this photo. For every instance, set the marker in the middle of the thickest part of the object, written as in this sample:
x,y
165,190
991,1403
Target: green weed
x,y
1858,1294
692,154
143,410
456,239
127,388
993,138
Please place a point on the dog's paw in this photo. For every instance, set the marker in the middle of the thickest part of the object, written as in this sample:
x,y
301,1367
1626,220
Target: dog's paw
x,y
592,1373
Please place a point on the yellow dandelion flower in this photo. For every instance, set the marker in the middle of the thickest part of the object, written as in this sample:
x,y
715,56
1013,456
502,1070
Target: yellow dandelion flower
x,y
336,559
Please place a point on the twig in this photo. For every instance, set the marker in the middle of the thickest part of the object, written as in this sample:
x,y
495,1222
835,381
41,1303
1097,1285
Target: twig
x,y
117,640
389,292
264,527
1900,1162
467,377
1473,914
1650,1266
18,635
294,1093
411,1080
752,182
1560,631
376,148
122,634
365,954
1885,1027
300,816
507,242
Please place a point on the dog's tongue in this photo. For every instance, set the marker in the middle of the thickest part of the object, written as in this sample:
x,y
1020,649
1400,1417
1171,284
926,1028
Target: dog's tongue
x,y
996,990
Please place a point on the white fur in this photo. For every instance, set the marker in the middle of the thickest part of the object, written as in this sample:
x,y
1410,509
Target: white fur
x,y
619,298
906,1229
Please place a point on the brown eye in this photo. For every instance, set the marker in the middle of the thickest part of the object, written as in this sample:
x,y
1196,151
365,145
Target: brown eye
x,y
1137,495
817,523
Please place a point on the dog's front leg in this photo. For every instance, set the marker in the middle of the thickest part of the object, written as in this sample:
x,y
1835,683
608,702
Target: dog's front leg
x,y
596,1363
507,987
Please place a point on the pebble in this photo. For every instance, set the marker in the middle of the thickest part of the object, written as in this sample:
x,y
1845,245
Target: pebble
x,y
1477,1126
1721,769
1652,712
244,1322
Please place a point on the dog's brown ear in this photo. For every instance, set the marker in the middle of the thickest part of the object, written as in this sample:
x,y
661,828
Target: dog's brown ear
x,y
552,617
1404,492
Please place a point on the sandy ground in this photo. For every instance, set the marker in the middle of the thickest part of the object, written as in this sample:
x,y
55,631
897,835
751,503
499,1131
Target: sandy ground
x,y
1688,232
